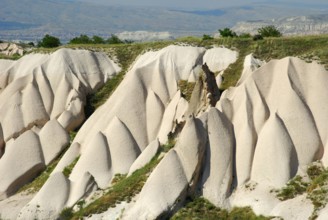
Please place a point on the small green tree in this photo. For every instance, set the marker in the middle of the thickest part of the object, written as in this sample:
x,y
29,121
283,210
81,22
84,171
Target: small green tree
x,y
269,31
114,40
97,40
257,37
207,37
82,39
227,32
49,41
245,35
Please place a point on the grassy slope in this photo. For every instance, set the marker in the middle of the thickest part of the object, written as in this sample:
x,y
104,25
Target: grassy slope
x,y
200,208
309,48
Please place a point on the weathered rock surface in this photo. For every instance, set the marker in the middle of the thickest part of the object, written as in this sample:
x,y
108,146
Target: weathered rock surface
x,y
259,135
42,98
11,49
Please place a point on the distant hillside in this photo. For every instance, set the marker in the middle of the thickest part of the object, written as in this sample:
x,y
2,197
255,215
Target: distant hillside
x,y
20,19
297,25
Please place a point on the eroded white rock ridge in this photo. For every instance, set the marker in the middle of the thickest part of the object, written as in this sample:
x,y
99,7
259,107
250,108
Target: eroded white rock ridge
x,y
258,136
42,97
142,111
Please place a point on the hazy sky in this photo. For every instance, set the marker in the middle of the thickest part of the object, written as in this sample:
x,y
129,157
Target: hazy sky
x,y
212,3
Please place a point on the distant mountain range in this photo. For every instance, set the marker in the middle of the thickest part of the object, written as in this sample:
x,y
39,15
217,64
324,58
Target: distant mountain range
x,y
31,20
297,25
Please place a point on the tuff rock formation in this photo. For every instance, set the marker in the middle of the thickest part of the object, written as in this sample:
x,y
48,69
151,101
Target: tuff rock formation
x,y
11,49
42,98
235,152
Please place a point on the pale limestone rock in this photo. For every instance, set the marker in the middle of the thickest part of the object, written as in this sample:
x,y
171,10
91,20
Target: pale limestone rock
x,y
11,49
54,139
298,208
245,138
22,161
218,171
268,127
257,196
219,58
50,199
155,109
323,213
169,119
10,207
96,160
71,154
35,90
164,186
197,99
83,186
57,193
275,159
190,148
45,86
121,145
182,108
250,65
156,72
175,177
145,157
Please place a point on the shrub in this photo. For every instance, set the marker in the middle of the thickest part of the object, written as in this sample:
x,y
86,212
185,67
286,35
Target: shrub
x,y
294,187
82,39
227,32
269,31
97,40
245,35
49,41
66,213
207,37
114,40
257,37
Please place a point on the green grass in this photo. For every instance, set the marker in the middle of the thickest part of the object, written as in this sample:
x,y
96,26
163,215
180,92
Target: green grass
x,y
201,208
294,187
68,169
316,187
13,57
186,88
124,189
66,214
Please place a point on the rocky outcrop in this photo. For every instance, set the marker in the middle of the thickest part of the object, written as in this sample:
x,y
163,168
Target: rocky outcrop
x,y
298,25
116,140
254,146
10,49
258,136
42,98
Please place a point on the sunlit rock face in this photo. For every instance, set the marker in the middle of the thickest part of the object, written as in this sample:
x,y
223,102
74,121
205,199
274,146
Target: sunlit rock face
x,y
258,136
42,98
